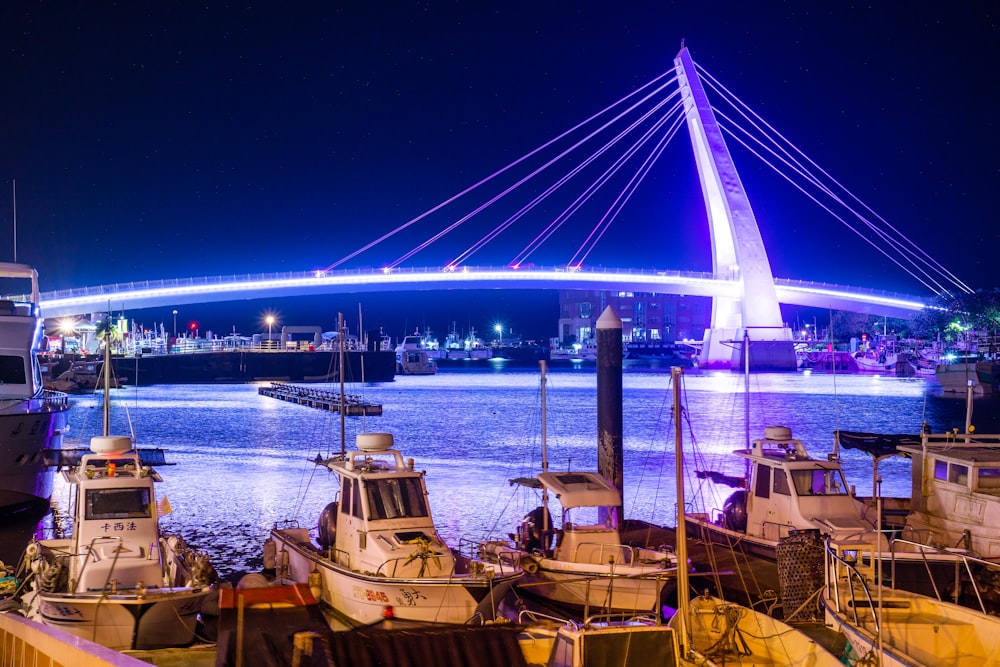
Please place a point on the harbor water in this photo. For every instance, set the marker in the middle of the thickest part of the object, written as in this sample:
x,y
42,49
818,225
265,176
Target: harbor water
x,y
244,461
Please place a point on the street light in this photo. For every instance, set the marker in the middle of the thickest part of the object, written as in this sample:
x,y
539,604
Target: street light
x,y
499,329
270,320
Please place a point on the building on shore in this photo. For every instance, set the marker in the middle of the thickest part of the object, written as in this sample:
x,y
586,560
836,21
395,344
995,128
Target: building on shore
x,y
646,317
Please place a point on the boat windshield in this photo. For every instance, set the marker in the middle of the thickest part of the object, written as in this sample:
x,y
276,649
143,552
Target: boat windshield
x,y
130,503
819,482
395,498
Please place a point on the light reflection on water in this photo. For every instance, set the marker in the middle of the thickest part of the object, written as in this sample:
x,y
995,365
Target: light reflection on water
x,y
243,460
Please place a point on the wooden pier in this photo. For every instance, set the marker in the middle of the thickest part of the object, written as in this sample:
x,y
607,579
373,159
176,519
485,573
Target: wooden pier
x,y
354,406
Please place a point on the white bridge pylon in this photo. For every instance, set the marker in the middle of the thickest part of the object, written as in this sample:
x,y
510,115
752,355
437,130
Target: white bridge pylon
x,y
737,248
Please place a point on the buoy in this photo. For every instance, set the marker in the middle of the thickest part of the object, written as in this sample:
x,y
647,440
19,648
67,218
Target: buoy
x,y
316,584
270,554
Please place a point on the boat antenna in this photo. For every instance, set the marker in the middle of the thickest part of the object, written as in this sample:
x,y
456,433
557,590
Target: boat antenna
x,y
13,185
340,369
683,591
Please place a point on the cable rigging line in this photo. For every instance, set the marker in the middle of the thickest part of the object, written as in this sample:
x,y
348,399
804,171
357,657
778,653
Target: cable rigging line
x,y
564,179
536,171
918,254
503,170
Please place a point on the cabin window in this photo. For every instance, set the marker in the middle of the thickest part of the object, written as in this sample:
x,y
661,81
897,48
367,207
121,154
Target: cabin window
x,y
356,500
345,505
940,469
106,504
958,474
781,483
818,482
989,479
12,370
762,489
396,498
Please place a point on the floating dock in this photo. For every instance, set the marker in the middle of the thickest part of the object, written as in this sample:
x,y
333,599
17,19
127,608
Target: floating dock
x,y
354,406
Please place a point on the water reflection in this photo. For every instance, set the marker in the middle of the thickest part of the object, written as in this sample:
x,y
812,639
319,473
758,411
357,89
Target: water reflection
x,y
243,461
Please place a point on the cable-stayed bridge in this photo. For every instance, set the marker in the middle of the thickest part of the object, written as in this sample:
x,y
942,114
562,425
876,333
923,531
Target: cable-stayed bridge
x,y
609,155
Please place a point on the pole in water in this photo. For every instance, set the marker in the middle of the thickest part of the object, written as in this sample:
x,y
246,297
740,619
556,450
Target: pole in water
x,y
610,460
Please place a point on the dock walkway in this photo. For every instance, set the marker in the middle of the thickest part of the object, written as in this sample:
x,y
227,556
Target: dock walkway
x,y
322,399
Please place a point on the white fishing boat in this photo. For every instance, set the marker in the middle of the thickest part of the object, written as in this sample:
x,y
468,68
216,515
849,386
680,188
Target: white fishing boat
x,y
117,581
32,420
715,632
582,561
378,550
889,627
412,357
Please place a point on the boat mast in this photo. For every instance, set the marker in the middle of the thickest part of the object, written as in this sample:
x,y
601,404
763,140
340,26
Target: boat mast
x,y
545,455
683,591
107,375
340,372
746,386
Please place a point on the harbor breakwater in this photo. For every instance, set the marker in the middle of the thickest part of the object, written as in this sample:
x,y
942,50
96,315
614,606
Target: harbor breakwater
x,y
255,366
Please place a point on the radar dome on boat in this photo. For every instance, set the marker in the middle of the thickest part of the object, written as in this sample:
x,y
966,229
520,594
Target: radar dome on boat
x,y
374,442
110,444
779,433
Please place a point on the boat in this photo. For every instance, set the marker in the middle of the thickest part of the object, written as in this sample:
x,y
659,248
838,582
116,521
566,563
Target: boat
x,y
983,375
713,631
890,627
117,581
785,489
599,640
378,548
82,376
32,418
582,561
412,357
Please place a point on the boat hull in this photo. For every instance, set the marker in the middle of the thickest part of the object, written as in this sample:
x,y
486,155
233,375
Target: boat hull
x,y
27,429
916,630
159,619
364,599
724,633
983,377
629,589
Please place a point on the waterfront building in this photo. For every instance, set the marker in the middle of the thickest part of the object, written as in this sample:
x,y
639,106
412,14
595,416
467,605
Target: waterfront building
x,y
646,317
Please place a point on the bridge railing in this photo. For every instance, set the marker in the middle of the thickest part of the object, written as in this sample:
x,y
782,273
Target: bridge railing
x,y
165,283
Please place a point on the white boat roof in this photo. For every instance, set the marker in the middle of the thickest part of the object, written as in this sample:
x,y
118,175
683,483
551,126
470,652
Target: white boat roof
x,y
981,449
581,489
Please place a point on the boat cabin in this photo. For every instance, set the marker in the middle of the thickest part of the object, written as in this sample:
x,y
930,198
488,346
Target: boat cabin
x,y
788,490
589,521
381,523
20,374
956,491
116,539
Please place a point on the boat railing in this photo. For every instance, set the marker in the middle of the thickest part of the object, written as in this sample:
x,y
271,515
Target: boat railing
x,y
472,552
963,564
390,567
602,552
338,556
841,572
775,530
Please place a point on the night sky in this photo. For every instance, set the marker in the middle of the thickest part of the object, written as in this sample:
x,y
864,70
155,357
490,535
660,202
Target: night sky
x,y
158,140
